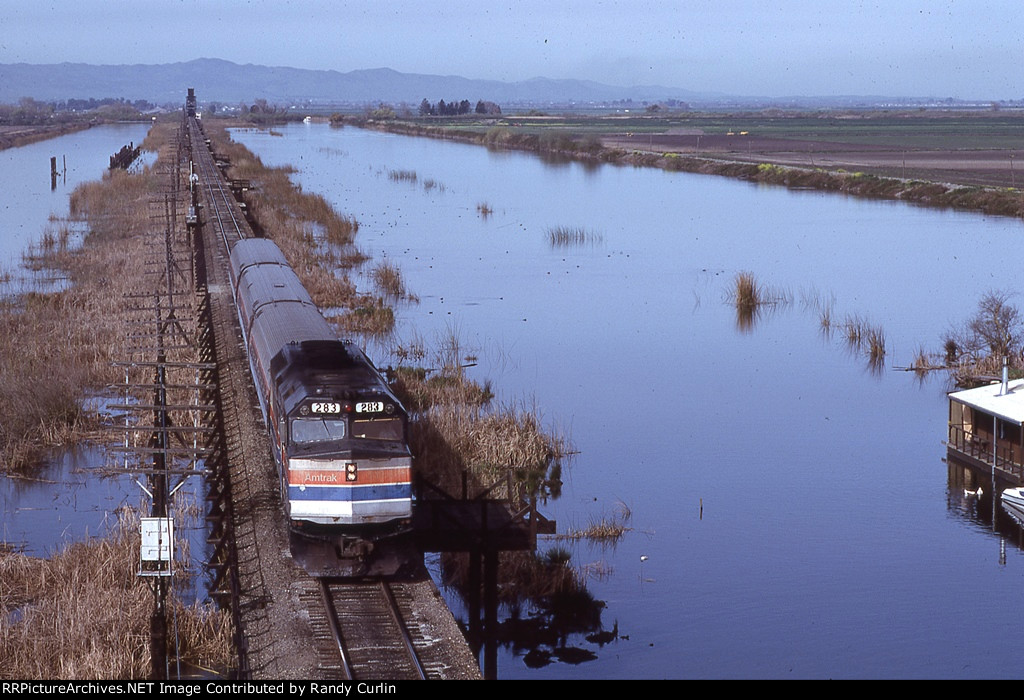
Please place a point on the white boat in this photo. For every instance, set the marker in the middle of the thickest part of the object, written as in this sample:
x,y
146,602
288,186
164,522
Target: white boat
x,y
1014,497
1014,512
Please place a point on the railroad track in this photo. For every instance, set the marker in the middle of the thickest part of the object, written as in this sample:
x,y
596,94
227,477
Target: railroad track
x,y
224,213
362,633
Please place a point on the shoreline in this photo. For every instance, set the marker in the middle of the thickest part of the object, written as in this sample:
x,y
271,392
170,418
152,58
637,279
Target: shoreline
x,y
15,136
991,200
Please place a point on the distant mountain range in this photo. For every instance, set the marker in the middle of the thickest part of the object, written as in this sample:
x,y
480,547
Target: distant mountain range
x,y
230,83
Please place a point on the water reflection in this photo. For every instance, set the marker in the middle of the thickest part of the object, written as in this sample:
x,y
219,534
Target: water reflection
x,y
65,501
546,613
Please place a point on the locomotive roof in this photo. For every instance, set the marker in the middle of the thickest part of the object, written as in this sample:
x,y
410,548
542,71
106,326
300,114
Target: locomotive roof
x,y
330,368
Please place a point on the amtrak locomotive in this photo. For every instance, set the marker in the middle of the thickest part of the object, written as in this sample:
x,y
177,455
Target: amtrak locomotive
x,y
339,433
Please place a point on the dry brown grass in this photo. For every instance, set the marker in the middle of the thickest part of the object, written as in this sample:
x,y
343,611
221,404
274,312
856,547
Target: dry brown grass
x,y
56,346
83,614
456,427
748,292
608,528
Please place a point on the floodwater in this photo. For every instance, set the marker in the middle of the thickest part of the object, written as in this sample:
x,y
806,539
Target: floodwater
x,y
790,511
29,202
66,500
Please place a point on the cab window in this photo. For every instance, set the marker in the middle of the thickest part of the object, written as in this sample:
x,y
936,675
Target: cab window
x,y
307,430
377,428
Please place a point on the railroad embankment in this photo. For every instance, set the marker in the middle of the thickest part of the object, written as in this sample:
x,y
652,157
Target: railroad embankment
x,y
12,136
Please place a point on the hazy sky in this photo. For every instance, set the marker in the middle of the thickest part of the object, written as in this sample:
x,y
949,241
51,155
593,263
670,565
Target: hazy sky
x,y
941,48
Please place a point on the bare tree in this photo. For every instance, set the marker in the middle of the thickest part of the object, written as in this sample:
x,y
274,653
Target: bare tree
x,y
994,332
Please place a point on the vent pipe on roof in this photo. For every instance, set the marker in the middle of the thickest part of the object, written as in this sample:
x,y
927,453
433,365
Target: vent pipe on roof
x,y
1005,388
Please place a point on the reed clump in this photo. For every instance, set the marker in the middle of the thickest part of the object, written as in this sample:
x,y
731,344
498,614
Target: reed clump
x,y
371,316
388,279
456,428
875,340
570,236
402,175
750,298
747,292
608,528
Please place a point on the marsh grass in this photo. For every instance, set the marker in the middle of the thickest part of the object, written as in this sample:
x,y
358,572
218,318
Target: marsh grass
x,y
403,176
79,328
875,341
457,428
747,292
569,237
388,279
607,528
370,316
825,319
83,614
484,209
751,299
318,242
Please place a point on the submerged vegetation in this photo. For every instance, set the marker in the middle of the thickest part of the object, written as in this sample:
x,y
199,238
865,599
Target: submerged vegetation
x,y
567,237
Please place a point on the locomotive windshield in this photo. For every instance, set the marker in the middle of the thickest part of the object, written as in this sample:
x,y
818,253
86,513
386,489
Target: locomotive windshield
x,y
378,428
306,430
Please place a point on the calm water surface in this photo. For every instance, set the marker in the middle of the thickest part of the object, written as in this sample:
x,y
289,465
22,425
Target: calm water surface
x,y
28,202
791,503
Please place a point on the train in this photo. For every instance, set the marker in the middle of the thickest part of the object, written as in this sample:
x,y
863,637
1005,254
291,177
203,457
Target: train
x,y
339,433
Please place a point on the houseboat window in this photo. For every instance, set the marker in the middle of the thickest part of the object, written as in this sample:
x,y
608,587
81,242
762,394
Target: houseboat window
x,y
378,428
305,430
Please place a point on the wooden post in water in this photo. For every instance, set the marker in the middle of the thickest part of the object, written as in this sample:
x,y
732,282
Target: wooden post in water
x,y
53,172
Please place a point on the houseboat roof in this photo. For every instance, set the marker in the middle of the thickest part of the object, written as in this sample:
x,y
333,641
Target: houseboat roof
x,y
990,399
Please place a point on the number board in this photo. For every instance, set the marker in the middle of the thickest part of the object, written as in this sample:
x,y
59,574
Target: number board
x,y
370,407
325,407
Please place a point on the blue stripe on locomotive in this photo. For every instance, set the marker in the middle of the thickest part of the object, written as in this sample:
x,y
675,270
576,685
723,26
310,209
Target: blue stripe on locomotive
x,y
351,493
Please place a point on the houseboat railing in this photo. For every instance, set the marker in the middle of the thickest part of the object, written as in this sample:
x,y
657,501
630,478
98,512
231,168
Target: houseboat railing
x,y
979,447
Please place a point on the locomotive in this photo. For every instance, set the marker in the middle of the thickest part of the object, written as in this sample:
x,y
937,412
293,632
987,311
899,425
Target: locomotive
x,y
339,433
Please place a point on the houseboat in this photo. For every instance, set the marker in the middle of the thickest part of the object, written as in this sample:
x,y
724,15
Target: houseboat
x,y
985,430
